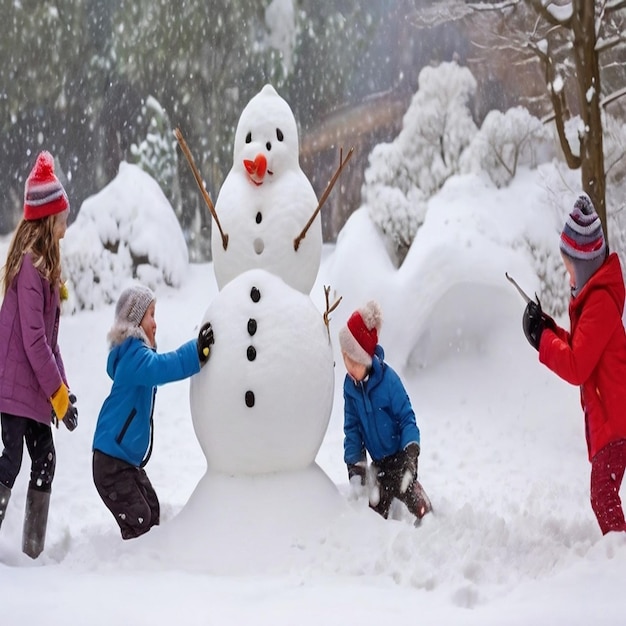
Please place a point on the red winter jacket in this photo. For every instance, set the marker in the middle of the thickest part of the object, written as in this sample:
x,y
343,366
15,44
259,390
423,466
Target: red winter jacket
x,y
593,354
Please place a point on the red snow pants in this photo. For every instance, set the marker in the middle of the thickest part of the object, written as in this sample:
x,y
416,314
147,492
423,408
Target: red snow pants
x,y
607,471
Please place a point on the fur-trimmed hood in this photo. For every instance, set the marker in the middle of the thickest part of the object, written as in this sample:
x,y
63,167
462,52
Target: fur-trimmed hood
x,y
121,331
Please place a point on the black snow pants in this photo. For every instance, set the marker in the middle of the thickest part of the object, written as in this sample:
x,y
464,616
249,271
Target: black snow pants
x,y
38,437
127,493
388,473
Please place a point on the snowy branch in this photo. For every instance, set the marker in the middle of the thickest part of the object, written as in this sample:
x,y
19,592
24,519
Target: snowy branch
x,y
616,95
615,5
446,11
608,43
553,14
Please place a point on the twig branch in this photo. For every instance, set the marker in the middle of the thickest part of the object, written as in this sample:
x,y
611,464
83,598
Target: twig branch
x,y
329,187
329,308
196,174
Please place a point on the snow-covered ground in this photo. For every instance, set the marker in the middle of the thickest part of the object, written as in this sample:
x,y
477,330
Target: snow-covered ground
x,y
513,539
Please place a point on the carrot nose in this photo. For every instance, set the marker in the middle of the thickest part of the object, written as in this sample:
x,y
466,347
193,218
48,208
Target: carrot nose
x,y
256,168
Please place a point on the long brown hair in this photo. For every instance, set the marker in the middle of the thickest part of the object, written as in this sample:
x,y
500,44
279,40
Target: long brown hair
x,y
36,237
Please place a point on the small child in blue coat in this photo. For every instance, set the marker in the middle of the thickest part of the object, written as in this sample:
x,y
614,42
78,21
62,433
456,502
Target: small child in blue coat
x,y
378,419
122,442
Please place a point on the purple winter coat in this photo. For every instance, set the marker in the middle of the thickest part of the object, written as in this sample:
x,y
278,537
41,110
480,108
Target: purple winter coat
x,y
31,368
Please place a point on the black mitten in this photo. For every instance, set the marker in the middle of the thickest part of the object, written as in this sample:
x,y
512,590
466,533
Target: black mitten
x,y
357,471
548,322
409,467
205,341
534,323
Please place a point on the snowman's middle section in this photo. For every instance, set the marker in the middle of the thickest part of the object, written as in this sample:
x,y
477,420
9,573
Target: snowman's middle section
x,y
263,401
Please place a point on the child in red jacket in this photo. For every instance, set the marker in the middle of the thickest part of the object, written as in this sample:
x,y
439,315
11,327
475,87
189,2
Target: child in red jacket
x,y
592,354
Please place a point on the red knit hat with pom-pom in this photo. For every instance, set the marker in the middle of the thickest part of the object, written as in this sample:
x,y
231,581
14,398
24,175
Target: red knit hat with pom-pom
x,y
359,338
43,194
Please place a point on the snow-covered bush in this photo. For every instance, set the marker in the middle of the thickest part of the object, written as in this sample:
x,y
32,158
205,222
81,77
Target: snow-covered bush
x,y
505,142
127,231
397,210
403,174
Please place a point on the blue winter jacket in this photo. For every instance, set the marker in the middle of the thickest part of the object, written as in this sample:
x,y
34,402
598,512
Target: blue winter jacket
x,y
378,416
124,424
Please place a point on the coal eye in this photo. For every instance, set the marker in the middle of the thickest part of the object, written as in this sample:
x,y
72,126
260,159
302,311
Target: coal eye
x,y
249,137
279,134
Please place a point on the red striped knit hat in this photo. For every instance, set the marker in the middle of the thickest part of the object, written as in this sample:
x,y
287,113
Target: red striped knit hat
x,y
43,194
582,236
358,339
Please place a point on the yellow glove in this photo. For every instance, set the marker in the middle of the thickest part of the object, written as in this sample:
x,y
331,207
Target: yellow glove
x,y
60,401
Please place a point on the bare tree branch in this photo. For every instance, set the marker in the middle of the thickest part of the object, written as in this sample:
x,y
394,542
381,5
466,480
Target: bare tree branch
x,y
616,95
609,43
614,5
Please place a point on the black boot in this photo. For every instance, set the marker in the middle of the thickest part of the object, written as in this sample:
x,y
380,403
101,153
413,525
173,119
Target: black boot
x,y
35,522
5,494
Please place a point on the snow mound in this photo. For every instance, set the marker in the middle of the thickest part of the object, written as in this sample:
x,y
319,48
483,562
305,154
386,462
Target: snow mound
x,y
128,231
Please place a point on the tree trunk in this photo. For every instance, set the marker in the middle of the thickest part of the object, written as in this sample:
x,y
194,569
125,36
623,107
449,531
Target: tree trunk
x,y
588,74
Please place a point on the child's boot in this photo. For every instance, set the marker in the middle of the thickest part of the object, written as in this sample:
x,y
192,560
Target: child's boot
x,y
5,494
35,522
421,504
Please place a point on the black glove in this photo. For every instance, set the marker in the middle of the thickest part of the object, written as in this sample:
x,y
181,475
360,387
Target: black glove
x,y
409,467
205,341
357,471
534,322
70,419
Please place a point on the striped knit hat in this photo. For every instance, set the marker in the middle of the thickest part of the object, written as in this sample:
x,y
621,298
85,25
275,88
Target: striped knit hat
x,y
43,194
358,339
582,240
582,236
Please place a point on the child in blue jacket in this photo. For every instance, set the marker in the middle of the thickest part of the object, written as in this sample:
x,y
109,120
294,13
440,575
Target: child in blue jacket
x,y
378,418
122,442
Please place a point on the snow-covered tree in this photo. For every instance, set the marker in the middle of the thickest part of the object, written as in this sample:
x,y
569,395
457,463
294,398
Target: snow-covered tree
x,y
157,155
52,82
578,44
403,174
505,142
614,153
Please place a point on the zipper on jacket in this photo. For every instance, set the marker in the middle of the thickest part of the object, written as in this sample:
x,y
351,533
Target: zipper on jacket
x,y
127,423
149,453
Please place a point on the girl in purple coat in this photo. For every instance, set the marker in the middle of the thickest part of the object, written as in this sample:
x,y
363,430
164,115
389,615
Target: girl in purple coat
x,y
33,385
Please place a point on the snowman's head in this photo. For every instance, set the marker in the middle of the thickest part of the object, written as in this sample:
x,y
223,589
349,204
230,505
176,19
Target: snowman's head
x,y
266,139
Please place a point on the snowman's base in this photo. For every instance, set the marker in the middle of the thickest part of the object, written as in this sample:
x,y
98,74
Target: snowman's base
x,y
266,523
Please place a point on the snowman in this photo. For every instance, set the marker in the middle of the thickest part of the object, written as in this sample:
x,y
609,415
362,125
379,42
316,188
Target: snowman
x,y
266,200
262,403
